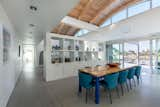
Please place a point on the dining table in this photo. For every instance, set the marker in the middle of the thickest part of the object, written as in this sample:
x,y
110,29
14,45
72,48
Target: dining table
x,y
98,72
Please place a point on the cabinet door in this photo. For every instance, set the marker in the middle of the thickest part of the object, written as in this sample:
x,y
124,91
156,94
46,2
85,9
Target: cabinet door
x,y
55,72
68,70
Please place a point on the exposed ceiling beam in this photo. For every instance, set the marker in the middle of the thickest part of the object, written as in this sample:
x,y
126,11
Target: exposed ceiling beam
x,y
75,12
93,8
79,24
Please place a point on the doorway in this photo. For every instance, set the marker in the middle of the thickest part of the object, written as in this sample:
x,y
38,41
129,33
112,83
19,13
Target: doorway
x,y
28,58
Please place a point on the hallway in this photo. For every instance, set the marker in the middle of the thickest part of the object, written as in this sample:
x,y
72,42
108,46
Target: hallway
x,y
32,91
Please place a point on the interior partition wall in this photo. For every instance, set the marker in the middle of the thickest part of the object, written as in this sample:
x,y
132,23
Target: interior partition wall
x,y
144,52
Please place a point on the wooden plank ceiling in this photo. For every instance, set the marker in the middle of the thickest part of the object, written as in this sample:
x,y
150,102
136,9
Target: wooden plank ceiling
x,y
93,11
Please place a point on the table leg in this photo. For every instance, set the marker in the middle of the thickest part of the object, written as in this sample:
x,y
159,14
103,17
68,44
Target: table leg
x,y
80,88
97,91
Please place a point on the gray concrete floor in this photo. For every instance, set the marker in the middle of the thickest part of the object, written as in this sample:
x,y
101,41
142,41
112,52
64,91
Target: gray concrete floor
x,y
32,91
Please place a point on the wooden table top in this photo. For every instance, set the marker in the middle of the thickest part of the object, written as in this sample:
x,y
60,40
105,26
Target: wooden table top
x,y
99,71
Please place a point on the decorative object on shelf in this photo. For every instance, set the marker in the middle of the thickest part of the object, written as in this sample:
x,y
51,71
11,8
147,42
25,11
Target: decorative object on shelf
x,y
87,49
67,60
77,47
56,47
93,49
100,49
78,59
69,47
56,60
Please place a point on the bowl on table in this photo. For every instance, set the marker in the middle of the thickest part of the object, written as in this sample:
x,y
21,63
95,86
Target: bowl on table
x,y
113,65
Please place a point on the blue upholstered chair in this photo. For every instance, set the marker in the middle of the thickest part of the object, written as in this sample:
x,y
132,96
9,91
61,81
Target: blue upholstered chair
x,y
130,76
122,79
85,81
138,73
111,82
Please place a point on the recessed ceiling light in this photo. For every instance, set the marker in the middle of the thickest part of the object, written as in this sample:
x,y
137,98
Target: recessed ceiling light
x,y
33,8
31,25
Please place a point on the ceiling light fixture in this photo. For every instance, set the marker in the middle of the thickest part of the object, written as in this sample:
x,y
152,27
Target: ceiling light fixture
x,y
31,25
33,8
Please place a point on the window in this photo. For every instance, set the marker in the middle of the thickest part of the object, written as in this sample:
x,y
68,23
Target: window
x,y
130,54
81,32
139,8
119,16
155,3
115,52
106,23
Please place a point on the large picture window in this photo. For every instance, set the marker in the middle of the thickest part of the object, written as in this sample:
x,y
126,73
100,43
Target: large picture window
x,y
155,3
119,16
139,8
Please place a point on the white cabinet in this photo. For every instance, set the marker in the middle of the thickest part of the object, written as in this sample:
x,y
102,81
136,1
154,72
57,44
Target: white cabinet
x,y
54,72
68,70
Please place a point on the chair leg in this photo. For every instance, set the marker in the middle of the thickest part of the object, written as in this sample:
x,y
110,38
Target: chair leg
x,y
130,84
86,95
134,81
122,89
117,92
138,80
127,86
110,96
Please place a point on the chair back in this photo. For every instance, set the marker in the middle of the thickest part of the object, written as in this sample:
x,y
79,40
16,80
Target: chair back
x,y
131,73
138,71
111,80
123,76
85,80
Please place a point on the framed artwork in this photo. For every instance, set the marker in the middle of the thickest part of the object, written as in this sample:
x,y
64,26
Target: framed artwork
x,y
19,51
6,45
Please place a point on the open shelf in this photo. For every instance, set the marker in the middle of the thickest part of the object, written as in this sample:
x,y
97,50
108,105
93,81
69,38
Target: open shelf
x,y
65,50
56,57
79,56
68,57
68,44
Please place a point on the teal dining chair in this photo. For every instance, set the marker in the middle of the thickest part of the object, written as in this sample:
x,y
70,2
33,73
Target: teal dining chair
x,y
122,79
130,76
138,73
85,81
111,82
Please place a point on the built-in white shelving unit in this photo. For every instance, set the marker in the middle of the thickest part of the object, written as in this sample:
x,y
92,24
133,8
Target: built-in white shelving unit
x,y
73,50
64,55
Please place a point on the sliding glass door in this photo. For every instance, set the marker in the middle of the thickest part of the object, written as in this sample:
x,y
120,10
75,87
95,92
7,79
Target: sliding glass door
x,y
115,53
145,53
130,54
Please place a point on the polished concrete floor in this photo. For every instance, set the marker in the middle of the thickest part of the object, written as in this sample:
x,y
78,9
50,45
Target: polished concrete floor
x,y
32,91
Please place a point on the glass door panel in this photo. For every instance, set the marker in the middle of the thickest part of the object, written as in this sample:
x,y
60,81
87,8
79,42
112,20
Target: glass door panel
x,y
144,54
130,54
115,53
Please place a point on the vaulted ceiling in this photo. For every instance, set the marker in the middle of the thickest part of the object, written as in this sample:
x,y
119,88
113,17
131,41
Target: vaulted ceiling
x,y
94,12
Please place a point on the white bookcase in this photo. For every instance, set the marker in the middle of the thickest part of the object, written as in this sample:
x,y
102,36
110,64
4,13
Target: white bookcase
x,y
64,55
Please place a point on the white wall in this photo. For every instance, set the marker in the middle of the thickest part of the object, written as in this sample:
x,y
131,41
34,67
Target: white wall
x,y
137,26
10,71
39,48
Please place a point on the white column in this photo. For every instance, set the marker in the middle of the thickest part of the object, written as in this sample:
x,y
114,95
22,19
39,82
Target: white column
x,y
151,49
